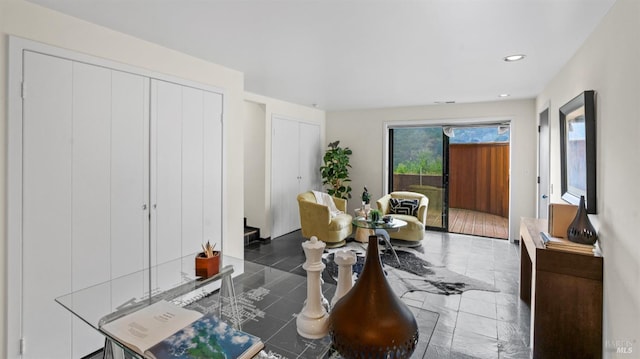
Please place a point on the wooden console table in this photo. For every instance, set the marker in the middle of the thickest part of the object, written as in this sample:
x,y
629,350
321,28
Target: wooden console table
x,y
564,291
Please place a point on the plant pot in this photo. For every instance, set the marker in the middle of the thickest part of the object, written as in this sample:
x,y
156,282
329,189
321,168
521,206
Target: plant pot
x,y
207,267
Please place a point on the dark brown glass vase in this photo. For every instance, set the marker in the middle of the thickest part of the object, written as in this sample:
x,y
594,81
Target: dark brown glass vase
x,y
581,230
371,321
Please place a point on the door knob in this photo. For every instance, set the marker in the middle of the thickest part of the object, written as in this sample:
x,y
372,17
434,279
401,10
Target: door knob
x,y
544,196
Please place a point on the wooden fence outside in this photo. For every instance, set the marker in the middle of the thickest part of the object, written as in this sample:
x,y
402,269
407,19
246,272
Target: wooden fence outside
x,y
478,179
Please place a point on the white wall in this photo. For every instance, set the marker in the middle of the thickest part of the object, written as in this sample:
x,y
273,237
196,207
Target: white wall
x,y
608,63
258,121
26,20
255,156
363,132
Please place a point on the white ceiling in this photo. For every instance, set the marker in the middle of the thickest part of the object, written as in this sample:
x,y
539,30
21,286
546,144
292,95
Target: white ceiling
x,y
355,54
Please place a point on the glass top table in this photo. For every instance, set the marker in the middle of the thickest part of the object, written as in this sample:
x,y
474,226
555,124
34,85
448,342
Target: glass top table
x,y
380,229
268,300
393,225
174,281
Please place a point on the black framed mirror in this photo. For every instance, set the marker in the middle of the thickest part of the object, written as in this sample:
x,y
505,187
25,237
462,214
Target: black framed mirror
x,y
578,150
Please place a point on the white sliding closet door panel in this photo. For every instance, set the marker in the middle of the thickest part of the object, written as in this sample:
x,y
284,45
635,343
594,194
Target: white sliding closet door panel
x,y
47,207
129,186
212,167
185,174
90,219
284,177
91,175
310,158
192,170
166,146
129,173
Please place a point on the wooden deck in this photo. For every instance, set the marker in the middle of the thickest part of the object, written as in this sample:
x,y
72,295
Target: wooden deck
x,y
478,223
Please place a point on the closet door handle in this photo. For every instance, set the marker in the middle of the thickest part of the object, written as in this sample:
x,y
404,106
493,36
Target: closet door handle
x,y
144,207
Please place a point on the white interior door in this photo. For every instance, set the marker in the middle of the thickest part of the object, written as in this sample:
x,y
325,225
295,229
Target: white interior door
x,y
47,205
166,178
129,173
192,170
543,165
310,158
284,176
90,197
129,215
186,167
212,168
83,191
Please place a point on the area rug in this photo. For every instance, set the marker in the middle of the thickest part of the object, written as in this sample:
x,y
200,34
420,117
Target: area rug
x,y
413,272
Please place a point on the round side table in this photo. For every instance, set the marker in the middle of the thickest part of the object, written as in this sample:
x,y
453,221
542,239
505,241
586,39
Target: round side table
x,y
362,234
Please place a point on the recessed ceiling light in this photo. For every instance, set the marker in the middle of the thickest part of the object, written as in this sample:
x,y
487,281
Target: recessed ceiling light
x,y
504,95
513,58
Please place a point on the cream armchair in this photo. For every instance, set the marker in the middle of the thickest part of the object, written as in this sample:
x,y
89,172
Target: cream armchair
x,y
414,230
316,220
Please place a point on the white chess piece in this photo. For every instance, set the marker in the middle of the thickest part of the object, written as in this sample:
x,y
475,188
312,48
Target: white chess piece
x,y
345,260
312,322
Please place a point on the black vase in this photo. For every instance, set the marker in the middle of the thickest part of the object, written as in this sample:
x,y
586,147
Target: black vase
x,y
581,230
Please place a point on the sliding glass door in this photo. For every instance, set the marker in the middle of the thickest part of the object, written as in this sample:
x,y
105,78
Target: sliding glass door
x,y
418,162
479,180
463,170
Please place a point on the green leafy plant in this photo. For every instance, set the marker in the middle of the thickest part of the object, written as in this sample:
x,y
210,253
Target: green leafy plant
x,y
375,215
366,196
335,171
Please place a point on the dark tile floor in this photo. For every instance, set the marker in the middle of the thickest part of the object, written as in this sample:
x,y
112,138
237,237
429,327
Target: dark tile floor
x,y
475,324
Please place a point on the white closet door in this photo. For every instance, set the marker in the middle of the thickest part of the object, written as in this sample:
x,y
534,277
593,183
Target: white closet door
x,y
186,174
129,173
110,176
212,168
192,169
295,168
91,175
129,185
86,187
166,179
90,197
85,181
47,205
310,158
284,176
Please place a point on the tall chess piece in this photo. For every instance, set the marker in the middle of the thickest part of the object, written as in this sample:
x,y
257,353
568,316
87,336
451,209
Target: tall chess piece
x,y
345,260
312,322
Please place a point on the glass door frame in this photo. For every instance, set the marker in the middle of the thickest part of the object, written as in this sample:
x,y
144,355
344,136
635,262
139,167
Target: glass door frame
x,y
387,172
444,215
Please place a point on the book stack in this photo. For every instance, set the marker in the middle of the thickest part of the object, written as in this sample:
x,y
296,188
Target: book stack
x,y
165,331
561,244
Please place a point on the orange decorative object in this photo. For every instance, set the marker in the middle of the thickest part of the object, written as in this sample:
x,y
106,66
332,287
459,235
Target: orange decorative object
x,y
207,266
371,321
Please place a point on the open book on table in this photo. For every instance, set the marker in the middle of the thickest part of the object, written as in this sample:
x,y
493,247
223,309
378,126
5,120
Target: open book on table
x,y
164,330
